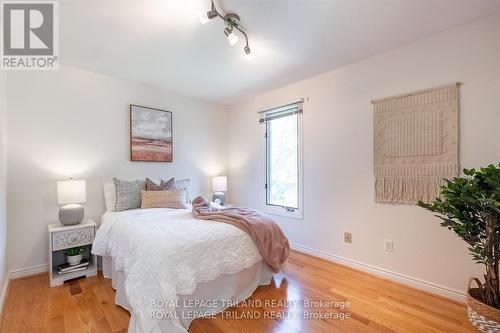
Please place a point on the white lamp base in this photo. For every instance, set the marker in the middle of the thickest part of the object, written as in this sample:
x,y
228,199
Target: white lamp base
x,y
71,214
219,198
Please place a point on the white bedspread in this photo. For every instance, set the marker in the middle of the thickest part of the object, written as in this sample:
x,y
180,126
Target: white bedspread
x,y
166,252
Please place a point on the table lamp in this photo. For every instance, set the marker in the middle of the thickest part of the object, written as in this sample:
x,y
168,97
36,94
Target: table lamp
x,y
219,186
71,193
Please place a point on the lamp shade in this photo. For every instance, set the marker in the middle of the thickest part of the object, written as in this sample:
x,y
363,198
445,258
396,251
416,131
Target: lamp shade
x,y
219,184
71,192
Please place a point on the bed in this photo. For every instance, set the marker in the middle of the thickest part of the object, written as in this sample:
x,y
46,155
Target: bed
x,y
168,268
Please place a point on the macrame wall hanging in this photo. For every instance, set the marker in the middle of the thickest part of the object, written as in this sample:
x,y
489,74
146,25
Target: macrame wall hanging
x,y
415,144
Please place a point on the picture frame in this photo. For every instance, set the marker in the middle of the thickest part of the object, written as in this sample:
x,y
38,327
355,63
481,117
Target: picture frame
x,y
151,134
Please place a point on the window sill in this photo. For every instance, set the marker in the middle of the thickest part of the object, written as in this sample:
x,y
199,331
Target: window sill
x,y
281,212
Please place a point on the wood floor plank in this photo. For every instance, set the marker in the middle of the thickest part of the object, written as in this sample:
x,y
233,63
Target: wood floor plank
x,y
377,305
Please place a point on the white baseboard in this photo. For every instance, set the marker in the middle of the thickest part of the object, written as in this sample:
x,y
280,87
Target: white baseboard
x,y
401,278
27,271
4,292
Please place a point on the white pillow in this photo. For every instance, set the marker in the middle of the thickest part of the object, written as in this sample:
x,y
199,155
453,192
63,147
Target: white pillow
x,y
109,196
184,183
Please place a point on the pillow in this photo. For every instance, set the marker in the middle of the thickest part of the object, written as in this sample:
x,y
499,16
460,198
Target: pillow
x,y
184,184
109,190
164,185
164,199
168,185
128,194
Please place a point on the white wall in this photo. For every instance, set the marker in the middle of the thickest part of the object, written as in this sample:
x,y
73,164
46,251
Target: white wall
x,y
74,123
338,152
3,185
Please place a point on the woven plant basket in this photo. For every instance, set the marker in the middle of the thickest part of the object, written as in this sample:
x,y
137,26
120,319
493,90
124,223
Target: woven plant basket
x,y
484,318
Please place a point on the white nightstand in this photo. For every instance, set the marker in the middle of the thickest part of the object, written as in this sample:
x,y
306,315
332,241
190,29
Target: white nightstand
x,y
65,237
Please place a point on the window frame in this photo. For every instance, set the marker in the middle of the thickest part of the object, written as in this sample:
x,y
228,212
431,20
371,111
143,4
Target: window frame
x,y
296,213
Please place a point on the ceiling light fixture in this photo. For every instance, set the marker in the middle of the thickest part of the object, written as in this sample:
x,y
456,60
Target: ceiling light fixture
x,y
232,23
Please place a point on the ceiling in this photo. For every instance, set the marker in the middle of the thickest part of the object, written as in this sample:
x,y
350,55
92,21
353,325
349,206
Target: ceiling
x,y
163,43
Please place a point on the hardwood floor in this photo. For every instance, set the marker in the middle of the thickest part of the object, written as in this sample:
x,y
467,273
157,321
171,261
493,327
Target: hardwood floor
x,y
376,305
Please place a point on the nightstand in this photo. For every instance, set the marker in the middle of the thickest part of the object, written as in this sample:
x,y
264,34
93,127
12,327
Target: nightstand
x,y
62,238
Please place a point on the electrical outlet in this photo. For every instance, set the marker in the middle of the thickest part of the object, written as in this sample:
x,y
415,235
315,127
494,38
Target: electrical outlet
x,y
388,245
347,237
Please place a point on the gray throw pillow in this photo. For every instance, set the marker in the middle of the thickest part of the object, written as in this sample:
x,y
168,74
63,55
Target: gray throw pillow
x,y
128,194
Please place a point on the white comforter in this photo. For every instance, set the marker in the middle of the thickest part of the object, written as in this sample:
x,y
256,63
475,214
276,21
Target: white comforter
x,y
166,252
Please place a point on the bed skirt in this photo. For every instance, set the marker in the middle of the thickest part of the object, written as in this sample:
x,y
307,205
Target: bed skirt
x,y
228,287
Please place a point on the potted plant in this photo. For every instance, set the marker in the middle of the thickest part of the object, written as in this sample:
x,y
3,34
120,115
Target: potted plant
x,y
470,206
74,255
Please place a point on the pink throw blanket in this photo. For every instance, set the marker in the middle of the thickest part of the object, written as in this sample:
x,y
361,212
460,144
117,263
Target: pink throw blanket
x,y
267,235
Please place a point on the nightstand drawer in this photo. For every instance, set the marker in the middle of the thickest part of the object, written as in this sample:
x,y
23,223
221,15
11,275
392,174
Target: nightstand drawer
x,y
72,238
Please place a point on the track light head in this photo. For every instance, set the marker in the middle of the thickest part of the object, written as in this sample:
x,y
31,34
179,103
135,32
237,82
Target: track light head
x,y
248,52
207,16
232,38
211,14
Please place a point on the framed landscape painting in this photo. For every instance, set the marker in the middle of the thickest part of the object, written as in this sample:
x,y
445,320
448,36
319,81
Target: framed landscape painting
x,y
150,134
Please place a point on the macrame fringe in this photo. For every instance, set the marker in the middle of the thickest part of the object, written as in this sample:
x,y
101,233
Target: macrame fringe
x,y
407,190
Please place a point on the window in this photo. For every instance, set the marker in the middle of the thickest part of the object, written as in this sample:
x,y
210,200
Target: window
x,y
283,159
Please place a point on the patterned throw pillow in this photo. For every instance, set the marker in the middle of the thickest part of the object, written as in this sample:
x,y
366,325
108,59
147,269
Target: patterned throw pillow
x,y
164,185
168,185
128,194
164,199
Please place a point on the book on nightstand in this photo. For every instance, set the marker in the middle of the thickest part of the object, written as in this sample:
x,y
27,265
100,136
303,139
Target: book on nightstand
x,y
73,270
66,268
